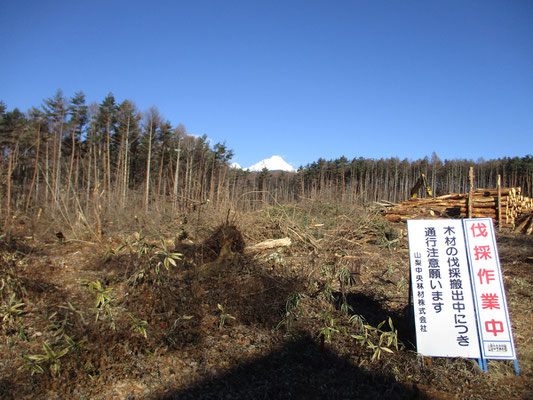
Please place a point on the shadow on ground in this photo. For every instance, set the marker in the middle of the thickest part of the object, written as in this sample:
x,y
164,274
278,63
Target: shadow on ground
x,y
374,313
298,370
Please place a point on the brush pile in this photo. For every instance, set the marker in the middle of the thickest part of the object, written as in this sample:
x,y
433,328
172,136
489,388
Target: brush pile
x,y
484,203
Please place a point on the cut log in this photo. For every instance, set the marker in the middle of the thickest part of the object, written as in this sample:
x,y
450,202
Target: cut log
x,y
523,225
529,229
504,205
269,244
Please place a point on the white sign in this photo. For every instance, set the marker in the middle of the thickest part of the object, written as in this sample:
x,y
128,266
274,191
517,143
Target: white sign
x,y
489,295
457,287
443,302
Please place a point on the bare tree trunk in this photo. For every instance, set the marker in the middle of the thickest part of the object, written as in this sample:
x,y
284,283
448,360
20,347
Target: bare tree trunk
x,y
188,179
8,195
221,182
58,167
54,162
96,171
119,169
176,177
88,195
212,180
46,180
71,163
186,190
126,171
470,191
36,166
160,172
108,162
77,173
147,190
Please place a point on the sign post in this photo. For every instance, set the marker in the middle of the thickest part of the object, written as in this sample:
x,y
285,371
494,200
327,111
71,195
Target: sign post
x,y
458,297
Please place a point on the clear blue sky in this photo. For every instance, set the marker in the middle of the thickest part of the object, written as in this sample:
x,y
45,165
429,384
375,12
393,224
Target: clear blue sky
x,y
302,79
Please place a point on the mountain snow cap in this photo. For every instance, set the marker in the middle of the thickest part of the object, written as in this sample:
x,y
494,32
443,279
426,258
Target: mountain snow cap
x,y
274,163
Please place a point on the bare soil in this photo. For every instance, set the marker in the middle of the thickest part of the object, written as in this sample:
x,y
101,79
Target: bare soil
x,y
115,318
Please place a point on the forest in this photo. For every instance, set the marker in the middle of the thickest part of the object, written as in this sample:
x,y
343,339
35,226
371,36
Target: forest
x,y
135,263
66,153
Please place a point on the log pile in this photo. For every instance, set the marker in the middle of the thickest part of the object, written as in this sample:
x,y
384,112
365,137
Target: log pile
x,y
485,204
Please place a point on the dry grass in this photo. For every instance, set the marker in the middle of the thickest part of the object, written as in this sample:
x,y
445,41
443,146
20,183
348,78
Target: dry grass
x,y
124,316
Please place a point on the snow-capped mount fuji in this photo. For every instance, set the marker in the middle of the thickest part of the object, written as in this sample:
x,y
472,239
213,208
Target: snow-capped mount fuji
x,y
274,163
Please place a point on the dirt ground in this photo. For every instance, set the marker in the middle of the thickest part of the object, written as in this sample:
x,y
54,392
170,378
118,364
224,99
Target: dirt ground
x,y
187,310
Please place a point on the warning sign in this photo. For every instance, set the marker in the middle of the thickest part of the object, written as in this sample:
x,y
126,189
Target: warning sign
x,y
489,294
459,300
443,302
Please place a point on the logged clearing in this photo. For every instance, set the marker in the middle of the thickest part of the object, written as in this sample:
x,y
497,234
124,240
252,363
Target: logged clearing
x,y
201,306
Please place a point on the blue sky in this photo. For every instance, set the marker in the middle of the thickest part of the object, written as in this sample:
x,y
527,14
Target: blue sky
x,y
301,79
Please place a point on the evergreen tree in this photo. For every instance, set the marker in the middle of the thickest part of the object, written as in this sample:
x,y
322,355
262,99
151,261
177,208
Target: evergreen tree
x,y
79,115
105,127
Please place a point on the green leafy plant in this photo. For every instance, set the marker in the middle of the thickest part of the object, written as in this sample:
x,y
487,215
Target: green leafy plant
x,y
401,284
392,336
76,346
103,300
170,330
70,308
358,321
223,316
377,340
344,276
330,327
346,309
57,327
33,364
112,252
292,309
364,337
10,310
327,289
10,282
378,349
169,257
152,258
139,325
140,245
327,292
345,279
50,357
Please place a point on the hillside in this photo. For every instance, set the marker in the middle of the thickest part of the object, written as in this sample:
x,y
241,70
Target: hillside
x,y
209,316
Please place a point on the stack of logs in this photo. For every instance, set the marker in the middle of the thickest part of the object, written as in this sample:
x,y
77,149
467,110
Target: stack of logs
x,y
484,205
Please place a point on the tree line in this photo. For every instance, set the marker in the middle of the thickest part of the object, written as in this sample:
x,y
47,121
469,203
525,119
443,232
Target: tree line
x,y
68,155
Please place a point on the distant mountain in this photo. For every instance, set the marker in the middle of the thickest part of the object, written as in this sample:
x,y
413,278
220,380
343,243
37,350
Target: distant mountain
x,y
274,163
235,165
